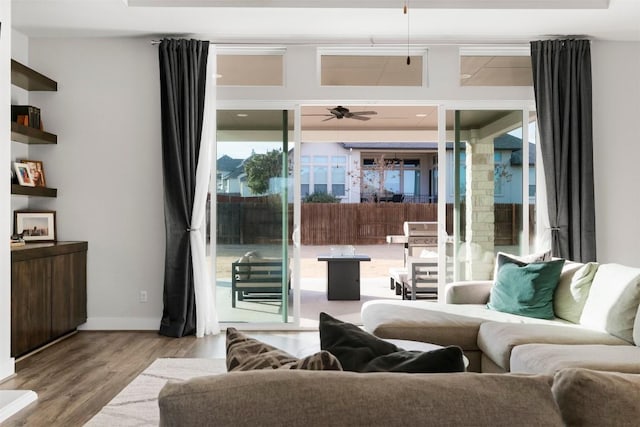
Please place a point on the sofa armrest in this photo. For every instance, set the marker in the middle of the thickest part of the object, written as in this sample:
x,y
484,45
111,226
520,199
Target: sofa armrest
x,y
468,292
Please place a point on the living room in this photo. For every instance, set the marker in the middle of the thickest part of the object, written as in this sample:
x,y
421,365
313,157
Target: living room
x,y
107,114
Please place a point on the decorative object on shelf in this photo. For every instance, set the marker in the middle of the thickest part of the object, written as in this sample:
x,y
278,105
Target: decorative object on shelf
x,y
17,240
24,174
35,226
26,115
37,171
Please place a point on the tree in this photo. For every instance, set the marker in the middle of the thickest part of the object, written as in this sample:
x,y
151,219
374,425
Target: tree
x,y
372,178
260,168
321,198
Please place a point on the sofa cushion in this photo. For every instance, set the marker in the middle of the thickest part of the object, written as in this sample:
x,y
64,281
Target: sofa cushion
x,y
245,354
591,398
525,289
442,324
245,271
613,300
497,340
359,351
310,399
573,290
550,358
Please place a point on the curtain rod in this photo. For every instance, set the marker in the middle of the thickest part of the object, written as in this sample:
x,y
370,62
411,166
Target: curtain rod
x,y
371,43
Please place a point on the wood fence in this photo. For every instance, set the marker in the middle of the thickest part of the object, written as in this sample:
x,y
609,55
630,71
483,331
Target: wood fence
x,y
259,221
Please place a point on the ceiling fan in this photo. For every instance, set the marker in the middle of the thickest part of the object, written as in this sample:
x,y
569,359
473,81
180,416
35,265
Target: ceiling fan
x,y
341,112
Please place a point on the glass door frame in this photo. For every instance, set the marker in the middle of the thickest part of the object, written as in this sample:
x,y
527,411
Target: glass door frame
x,y
527,107
294,324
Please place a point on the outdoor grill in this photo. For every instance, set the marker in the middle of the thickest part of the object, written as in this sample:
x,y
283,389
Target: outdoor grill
x,y
419,236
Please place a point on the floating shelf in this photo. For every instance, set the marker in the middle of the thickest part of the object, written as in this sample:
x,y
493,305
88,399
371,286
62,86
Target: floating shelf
x,y
33,191
27,135
26,78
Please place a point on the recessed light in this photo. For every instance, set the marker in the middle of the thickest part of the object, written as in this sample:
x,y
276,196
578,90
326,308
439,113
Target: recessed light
x,y
465,76
218,76
421,115
242,115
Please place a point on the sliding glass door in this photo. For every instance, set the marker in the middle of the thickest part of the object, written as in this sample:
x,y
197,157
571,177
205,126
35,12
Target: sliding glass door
x,y
251,201
490,193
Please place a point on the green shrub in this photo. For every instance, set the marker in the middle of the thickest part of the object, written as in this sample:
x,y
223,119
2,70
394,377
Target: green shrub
x,y
321,198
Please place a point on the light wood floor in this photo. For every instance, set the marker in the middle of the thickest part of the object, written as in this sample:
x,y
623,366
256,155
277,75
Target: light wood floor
x,y
76,377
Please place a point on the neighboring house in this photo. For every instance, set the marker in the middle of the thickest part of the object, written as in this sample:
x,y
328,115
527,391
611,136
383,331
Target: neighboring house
x,y
508,170
228,175
373,171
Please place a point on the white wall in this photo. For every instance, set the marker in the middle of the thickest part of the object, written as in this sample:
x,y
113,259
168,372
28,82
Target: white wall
x,y
107,164
107,167
616,94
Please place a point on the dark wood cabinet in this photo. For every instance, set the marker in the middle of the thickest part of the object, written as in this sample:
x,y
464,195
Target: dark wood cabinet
x,y
48,293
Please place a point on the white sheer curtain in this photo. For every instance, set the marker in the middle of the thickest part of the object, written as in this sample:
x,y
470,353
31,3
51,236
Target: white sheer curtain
x,y
543,225
206,317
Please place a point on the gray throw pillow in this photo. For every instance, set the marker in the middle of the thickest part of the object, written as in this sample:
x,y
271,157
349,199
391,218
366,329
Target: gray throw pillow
x,y
360,351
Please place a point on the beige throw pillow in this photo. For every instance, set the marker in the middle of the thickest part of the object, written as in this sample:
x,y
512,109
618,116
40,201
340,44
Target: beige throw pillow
x,y
246,354
573,290
613,301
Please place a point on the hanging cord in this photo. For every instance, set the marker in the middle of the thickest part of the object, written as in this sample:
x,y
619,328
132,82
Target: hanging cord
x,y
406,12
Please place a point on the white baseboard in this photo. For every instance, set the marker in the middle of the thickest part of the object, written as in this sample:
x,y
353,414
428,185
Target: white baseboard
x,y
7,368
121,324
12,401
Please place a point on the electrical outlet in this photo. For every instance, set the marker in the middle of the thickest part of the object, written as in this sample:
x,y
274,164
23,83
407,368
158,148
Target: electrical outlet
x,y
143,296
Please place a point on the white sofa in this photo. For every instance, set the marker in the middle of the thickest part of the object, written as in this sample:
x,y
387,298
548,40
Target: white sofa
x,y
597,323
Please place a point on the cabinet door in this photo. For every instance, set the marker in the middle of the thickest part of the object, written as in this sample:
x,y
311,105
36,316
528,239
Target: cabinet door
x,y
68,292
30,304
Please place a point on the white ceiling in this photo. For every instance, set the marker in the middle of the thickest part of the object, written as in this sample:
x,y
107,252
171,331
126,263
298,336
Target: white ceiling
x,y
332,21
337,22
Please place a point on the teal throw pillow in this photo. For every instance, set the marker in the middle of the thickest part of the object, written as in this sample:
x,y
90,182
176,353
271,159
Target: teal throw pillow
x,y
526,289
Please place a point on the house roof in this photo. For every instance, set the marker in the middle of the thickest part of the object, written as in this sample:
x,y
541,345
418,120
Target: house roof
x,y
227,164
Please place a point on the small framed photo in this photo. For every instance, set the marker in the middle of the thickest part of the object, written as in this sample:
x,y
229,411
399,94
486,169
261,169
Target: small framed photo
x,y
35,226
37,172
24,174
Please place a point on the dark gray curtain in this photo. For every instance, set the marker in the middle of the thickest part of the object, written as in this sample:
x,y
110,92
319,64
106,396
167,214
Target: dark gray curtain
x,y
562,85
183,65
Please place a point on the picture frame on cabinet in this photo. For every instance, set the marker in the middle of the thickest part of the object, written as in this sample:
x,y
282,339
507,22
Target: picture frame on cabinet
x,y
23,173
35,226
37,171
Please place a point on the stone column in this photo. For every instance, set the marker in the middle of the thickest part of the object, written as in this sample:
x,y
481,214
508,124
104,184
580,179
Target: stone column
x,y
480,216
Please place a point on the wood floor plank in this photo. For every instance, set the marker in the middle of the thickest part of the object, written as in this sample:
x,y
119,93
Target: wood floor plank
x,y
76,377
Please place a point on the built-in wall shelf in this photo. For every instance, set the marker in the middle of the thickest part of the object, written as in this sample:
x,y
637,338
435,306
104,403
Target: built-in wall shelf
x,y
22,190
31,80
27,135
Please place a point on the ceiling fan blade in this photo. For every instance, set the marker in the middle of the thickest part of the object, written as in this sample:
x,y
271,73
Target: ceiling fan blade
x,y
318,115
370,113
332,117
359,117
